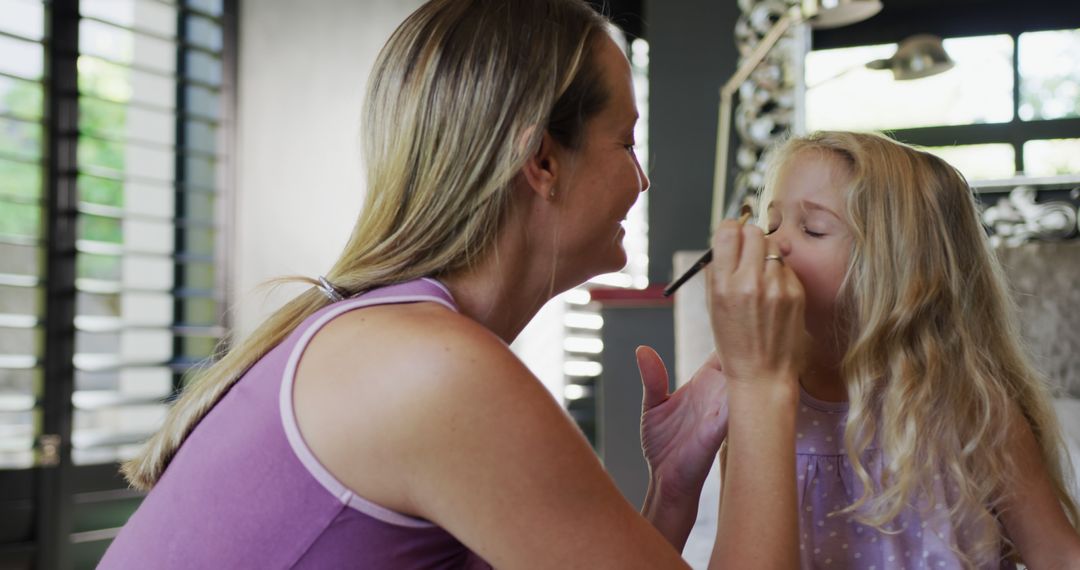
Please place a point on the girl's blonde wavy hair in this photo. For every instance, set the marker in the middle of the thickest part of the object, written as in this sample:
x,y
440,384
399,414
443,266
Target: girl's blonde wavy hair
x,y
459,98
934,364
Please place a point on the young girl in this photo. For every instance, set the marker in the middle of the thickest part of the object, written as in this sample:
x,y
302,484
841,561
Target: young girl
x,y
925,438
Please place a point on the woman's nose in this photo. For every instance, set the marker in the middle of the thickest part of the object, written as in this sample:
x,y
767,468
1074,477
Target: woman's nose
x,y
643,179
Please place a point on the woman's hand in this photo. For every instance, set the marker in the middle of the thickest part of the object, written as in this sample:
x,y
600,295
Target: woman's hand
x,y
756,306
680,436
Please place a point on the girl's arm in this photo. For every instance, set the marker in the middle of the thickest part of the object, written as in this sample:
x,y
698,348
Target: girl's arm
x,y
1032,514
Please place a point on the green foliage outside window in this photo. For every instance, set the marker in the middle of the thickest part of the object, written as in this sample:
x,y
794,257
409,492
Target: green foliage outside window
x,y
20,145
22,142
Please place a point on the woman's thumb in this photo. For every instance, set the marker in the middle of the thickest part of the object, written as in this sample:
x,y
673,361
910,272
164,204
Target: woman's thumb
x,y
654,377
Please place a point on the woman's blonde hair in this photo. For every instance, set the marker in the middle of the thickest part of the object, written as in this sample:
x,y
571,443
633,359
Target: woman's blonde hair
x,y
459,98
934,363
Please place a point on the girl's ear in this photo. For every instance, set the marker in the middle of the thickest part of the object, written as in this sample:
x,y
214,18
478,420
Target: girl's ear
x,y
541,170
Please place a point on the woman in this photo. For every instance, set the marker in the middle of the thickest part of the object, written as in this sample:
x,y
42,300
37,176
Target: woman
x,y
500,165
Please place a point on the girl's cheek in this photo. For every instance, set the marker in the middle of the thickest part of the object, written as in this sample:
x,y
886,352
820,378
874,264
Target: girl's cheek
x,y
820,286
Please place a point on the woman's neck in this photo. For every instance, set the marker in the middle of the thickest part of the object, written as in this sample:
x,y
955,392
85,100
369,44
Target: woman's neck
x,y
503,307
504,290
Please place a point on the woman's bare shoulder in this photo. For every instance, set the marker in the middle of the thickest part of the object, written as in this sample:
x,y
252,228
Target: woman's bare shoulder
x,y
379,384
421,337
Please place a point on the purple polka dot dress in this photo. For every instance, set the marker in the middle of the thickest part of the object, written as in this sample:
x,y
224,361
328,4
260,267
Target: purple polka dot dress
x,y
827,483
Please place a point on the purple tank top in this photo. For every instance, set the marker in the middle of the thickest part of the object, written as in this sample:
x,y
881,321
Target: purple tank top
x,y
245,491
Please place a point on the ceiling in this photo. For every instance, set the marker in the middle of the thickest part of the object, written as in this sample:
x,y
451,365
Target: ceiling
x,y
901,18
953,18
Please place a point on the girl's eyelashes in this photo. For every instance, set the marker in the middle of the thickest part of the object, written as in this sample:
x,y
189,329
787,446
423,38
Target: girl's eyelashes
x,y
805,230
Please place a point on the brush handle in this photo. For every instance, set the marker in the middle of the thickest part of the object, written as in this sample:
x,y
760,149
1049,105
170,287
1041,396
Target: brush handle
x,y
699,264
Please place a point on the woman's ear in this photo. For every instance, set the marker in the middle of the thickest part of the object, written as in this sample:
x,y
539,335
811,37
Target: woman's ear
x,y
541,170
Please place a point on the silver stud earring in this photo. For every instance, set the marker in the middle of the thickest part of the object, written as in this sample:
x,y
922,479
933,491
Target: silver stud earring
x,y
551,194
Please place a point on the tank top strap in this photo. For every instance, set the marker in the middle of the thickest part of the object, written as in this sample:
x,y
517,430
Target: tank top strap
x,y
418,290
423,289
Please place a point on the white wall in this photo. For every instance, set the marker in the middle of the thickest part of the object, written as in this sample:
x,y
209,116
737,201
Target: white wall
x,y
302,72
300,185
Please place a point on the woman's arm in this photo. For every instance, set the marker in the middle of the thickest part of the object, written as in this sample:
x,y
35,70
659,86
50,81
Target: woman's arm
x,y
758,526
435,418
516,480
756,309
1032,514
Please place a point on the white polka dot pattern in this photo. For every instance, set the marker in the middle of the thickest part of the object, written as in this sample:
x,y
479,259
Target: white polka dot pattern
x,y
827,483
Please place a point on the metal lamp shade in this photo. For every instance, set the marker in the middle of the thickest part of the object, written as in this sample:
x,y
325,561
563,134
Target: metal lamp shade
x,y
917,57
835,13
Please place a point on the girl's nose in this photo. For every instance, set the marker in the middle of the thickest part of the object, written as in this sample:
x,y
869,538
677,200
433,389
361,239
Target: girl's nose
x,y
782,242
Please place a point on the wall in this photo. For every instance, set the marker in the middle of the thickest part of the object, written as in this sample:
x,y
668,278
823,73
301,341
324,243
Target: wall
x,y
302,72
691,55
627,326
300,181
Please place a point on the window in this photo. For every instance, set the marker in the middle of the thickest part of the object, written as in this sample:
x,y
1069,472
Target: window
x,y
22,148
992,161
1050,75
112,168
1010,106
1052,157
843,94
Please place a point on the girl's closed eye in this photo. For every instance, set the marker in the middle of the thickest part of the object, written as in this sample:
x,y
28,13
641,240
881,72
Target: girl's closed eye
x,y
814,233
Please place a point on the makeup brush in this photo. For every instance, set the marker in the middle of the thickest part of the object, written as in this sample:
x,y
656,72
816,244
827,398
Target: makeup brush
x,y
700,263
